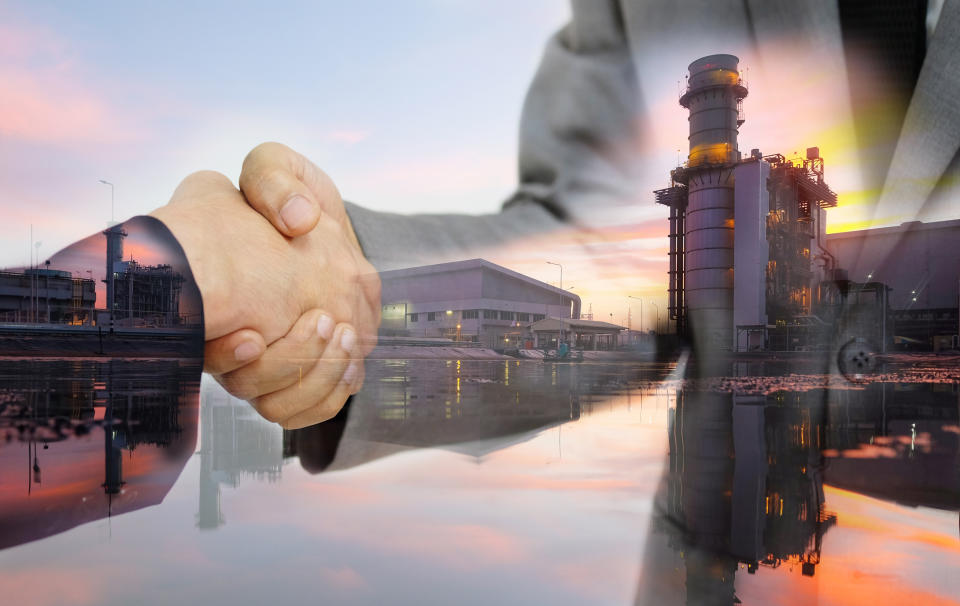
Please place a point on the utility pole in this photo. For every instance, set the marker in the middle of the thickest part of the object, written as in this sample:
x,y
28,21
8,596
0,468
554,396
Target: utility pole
x,y
560,332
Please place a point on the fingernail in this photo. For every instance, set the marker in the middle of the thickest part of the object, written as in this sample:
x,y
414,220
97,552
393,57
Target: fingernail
x,y
296,213
325,326
348,339
247,350
350,373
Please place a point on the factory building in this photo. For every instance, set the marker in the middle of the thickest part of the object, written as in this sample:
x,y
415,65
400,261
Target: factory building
x,y
764,215
473,300
46,296
923,276
137,295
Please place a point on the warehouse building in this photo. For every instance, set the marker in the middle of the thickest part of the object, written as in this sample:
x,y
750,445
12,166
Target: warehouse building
x,y
473,300
923,276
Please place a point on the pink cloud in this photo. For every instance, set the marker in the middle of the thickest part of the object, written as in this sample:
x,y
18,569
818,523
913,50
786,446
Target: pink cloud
x,y
50,97
348,136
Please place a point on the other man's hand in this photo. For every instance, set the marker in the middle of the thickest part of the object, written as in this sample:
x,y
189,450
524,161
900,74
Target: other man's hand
x,y
255,282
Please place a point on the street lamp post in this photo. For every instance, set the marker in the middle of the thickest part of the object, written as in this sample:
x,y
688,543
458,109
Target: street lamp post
x,y
560,332
641,310
657,308
111,199
36,282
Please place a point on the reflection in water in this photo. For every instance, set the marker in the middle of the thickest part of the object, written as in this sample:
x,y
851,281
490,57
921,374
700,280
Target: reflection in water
x,y
98,438
468,406
235,442
745,482
521,482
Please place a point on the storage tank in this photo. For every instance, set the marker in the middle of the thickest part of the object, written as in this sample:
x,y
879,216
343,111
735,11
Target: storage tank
x,y
713,95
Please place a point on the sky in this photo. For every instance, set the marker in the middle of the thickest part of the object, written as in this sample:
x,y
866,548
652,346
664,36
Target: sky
x,y
410,107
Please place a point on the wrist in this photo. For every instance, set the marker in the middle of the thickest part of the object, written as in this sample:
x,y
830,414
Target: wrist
x,y
195,241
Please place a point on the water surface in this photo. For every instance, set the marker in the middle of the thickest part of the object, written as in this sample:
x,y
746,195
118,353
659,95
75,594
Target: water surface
x,y
478,482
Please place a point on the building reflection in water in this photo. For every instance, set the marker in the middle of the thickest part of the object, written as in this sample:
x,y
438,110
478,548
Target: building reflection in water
x,y
744,485
235,442
467,406
53,410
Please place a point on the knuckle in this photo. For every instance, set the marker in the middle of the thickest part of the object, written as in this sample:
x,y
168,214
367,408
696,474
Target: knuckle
x,y
206,179
272,180
238,385
263,151
326,410
268,409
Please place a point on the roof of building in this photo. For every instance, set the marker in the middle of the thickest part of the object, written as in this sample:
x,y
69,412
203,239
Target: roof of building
x,y
469,264
909,226
553,324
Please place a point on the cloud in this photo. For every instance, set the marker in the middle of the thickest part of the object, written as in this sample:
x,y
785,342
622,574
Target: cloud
x,y
348,136
51,97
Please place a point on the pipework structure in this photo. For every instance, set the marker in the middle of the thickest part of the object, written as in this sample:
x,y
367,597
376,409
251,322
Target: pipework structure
x,y
140,295
746,234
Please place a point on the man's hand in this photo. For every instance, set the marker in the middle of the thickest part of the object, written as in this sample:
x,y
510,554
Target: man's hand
x,y
302,378
297,197
256,283
290,191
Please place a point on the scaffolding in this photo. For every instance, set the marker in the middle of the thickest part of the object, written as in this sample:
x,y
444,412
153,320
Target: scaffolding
x,y
148,295
675,197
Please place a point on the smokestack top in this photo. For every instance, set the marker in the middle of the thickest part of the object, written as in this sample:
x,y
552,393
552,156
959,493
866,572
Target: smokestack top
x,y
712,62
713,71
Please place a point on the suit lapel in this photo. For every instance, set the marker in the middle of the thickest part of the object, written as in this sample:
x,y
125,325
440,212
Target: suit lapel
x,y
930,136
814,21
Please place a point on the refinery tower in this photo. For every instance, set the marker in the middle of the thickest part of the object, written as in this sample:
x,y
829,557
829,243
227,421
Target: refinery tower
x,y
746,233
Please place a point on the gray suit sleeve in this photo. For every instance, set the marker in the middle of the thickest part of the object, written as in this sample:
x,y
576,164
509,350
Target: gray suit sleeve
x,y
577,160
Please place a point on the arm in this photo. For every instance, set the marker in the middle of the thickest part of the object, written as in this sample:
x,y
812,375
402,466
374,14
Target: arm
x,y
578,158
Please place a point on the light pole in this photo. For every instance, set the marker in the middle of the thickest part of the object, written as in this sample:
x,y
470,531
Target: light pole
x,y
36,287
111,199
657,308
560,332
641,310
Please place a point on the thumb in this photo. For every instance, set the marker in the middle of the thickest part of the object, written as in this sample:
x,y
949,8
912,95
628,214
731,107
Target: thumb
x,y
287,189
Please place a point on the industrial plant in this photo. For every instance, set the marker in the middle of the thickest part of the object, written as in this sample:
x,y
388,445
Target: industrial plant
x,y
750,264
49,310
140,295
136,295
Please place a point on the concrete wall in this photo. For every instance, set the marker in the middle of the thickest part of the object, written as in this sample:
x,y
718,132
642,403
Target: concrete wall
x,y
924,257
453,285
507,288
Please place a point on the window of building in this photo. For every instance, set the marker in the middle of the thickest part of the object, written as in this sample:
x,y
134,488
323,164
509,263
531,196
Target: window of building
x,y
414,317
471,314
538,317
523,317
506,315
489,314
431,316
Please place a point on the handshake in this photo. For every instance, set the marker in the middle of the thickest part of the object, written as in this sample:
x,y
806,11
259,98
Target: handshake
x,y
291,305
